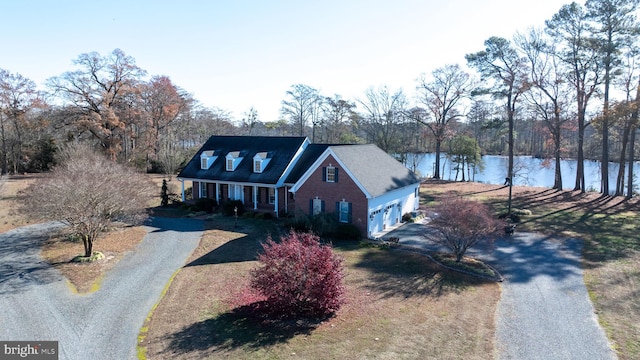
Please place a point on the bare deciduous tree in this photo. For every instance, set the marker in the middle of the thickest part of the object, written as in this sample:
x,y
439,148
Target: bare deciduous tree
x,y
301,105
88,192
383,114
96,95
18,95
441,95
549,93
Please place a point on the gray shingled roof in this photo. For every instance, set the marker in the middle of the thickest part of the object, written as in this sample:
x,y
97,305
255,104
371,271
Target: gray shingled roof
x,y
376,170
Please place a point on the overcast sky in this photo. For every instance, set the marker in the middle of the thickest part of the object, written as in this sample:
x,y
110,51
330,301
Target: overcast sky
x,y
236,54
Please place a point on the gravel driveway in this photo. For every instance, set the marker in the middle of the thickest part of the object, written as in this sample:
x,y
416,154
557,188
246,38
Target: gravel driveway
x,y
544,311
37,305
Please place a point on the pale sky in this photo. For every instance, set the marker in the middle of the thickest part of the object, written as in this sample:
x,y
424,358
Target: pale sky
x,y
238,54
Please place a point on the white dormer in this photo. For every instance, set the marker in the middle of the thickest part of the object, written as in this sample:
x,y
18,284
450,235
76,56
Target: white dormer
x,y
207,159
260,162
233,159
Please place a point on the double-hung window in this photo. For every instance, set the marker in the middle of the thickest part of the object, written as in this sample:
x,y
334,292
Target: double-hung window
x,y
272,196
330,174
344,211
203,190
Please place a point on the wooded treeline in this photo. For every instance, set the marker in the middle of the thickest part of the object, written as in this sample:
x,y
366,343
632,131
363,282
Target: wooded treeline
x,y
568,89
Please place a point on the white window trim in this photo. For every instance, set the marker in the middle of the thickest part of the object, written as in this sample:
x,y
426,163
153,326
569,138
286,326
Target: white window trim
x,y
333,174
271,194
203,190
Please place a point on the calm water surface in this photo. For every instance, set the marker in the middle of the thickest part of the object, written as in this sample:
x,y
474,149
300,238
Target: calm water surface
x,y
529,171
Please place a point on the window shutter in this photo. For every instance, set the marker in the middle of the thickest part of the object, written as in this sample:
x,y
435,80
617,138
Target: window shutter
x,y
349,218
324,174
336,175
322,206
338,210
310,207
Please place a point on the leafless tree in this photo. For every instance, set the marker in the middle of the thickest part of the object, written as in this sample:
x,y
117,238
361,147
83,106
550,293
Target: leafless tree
x,y
383,113
18,95
96,96
441,94
337,114
301,105
549,93
88,193
250,120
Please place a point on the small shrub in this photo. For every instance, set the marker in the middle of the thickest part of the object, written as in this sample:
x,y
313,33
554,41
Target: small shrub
x,y
250,214
347,232
228,208
299,277
461,224
164,194
407,217
204,204
300,222
324,224
267,216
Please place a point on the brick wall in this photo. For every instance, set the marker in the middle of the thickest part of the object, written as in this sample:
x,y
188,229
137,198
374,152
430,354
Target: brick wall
x,y
331,193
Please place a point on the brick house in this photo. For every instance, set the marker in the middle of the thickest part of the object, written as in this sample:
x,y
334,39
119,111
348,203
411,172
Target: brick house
x,y
361,184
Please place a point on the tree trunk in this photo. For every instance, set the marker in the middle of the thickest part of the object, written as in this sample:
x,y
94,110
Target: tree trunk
x,y
436,174
557,181
632,141
511,153
623,152
580,185
88,246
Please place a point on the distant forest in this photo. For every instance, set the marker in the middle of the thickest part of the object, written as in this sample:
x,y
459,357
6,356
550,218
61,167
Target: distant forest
x,y
568,89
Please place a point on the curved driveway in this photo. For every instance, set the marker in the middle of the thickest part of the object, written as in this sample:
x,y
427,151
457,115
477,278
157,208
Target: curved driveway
x,y
36,304
544,311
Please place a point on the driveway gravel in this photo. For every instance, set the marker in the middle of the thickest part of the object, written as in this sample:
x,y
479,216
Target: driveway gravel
x,y
544,311
37,305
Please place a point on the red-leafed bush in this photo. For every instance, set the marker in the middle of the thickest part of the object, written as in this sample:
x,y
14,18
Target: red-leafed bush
x,y
461,224
299,277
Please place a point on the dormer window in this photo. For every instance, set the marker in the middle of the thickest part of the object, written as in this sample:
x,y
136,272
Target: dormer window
x,y
206,159
232,160
260,162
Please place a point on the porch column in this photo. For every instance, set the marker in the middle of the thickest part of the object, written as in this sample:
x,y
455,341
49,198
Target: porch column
x,y
255,197
182,187
276,202
286,200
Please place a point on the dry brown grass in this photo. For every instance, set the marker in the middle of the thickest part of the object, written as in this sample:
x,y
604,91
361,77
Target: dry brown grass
x,y
10,187
399,306
59,251
86,277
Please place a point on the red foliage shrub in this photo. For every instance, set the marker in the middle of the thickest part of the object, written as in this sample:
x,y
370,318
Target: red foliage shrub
x,y
461,224
299,276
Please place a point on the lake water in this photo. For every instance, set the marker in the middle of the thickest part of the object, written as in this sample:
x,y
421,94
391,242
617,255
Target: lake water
x,y
529,171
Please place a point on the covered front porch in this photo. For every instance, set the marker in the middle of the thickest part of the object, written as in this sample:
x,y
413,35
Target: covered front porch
x,y
257,197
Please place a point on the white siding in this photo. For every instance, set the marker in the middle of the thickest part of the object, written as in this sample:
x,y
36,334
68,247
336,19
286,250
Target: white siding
x,y
384,211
